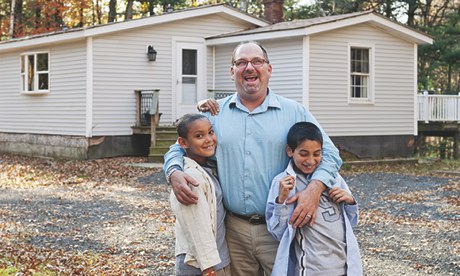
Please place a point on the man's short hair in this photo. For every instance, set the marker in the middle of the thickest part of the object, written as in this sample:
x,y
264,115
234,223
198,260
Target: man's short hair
x,y
250,42
302,131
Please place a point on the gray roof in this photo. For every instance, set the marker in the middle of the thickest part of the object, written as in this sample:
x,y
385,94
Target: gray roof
x,y
295,24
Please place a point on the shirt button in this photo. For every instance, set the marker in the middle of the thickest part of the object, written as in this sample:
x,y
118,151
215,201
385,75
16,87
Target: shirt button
x,y
248,153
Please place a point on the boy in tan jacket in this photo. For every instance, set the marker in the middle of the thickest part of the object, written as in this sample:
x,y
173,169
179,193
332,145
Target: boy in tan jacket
x,y
201,248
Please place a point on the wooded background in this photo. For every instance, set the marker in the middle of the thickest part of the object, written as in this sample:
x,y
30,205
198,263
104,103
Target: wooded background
x,y
438,64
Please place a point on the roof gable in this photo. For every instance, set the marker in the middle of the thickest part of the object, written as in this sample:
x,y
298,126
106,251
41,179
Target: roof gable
x,y
322,24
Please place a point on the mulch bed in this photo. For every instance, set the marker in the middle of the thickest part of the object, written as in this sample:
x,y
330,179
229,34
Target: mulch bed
x,y
102,217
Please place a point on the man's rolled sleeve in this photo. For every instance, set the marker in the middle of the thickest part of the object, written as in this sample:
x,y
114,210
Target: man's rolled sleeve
x,y
174,157
330,164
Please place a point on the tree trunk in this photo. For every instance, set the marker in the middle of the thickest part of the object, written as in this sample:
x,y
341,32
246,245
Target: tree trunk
x,y
411,12
129,10
81,15
18,24
98,13
151,6
388,9
112,10
58,16
449,78
38,12
11,31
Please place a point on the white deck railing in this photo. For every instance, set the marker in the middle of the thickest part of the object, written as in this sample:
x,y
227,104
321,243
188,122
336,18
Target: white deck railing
x,y
438,107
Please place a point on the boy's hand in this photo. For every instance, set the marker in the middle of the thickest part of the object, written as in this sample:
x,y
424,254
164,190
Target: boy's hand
x,y
286,184
338,195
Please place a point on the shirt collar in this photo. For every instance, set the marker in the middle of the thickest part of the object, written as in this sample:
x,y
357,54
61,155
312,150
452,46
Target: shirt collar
x,y
270,101
301,180
290,171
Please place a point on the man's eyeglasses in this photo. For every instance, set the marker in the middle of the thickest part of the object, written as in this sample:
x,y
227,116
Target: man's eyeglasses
x,y
256,62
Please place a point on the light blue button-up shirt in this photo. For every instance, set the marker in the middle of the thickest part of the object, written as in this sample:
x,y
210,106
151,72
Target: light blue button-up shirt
x,y
251,150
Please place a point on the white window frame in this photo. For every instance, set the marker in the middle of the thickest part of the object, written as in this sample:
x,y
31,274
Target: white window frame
x,y
370,80
24,76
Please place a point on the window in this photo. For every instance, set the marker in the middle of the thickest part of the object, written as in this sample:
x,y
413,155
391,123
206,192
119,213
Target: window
x,y
35,72
361,74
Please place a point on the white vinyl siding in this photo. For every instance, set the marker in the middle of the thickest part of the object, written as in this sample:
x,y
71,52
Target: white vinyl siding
x,y
121,66
62,110
222,74
286,59
392,110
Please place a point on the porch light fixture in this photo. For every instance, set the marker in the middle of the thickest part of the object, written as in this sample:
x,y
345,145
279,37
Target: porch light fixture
x,y
151,53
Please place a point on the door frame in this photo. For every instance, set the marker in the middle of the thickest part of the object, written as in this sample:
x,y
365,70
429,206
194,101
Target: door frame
x,y
178,44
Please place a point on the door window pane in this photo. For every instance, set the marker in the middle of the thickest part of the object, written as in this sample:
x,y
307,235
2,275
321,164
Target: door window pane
x,y
189,90
189,62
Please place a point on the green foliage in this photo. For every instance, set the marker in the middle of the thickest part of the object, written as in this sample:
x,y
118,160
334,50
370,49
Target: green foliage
x,y
8,271
439,64
293,10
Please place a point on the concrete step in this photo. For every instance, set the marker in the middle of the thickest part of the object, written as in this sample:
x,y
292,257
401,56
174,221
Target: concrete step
x,y
165,142
165,137
158,150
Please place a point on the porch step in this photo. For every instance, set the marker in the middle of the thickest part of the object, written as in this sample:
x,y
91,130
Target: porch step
x,y
165,137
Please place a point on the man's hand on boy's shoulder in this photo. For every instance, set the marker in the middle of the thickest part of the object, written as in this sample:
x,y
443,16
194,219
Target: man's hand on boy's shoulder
x,y
181,184
208,105
307,204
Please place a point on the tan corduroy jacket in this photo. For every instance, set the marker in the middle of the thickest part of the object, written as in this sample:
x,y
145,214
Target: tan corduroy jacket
x,y
196,223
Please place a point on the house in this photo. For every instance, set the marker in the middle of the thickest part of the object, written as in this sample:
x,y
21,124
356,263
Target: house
x,y
356,72
71,94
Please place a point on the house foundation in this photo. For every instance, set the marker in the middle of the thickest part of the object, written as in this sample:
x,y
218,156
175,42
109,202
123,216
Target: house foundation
x,y
74,147
55,146
377,147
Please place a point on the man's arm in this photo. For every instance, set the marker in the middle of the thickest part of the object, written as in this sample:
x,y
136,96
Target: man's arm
x,y
180,181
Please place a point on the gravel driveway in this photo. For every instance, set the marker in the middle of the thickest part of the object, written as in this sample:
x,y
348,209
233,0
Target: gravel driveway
x,y
409,225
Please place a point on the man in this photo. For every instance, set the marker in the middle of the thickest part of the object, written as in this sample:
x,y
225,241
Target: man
x,y
251,129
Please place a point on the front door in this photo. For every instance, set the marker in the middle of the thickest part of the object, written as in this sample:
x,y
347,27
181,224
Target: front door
x,y
190,73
